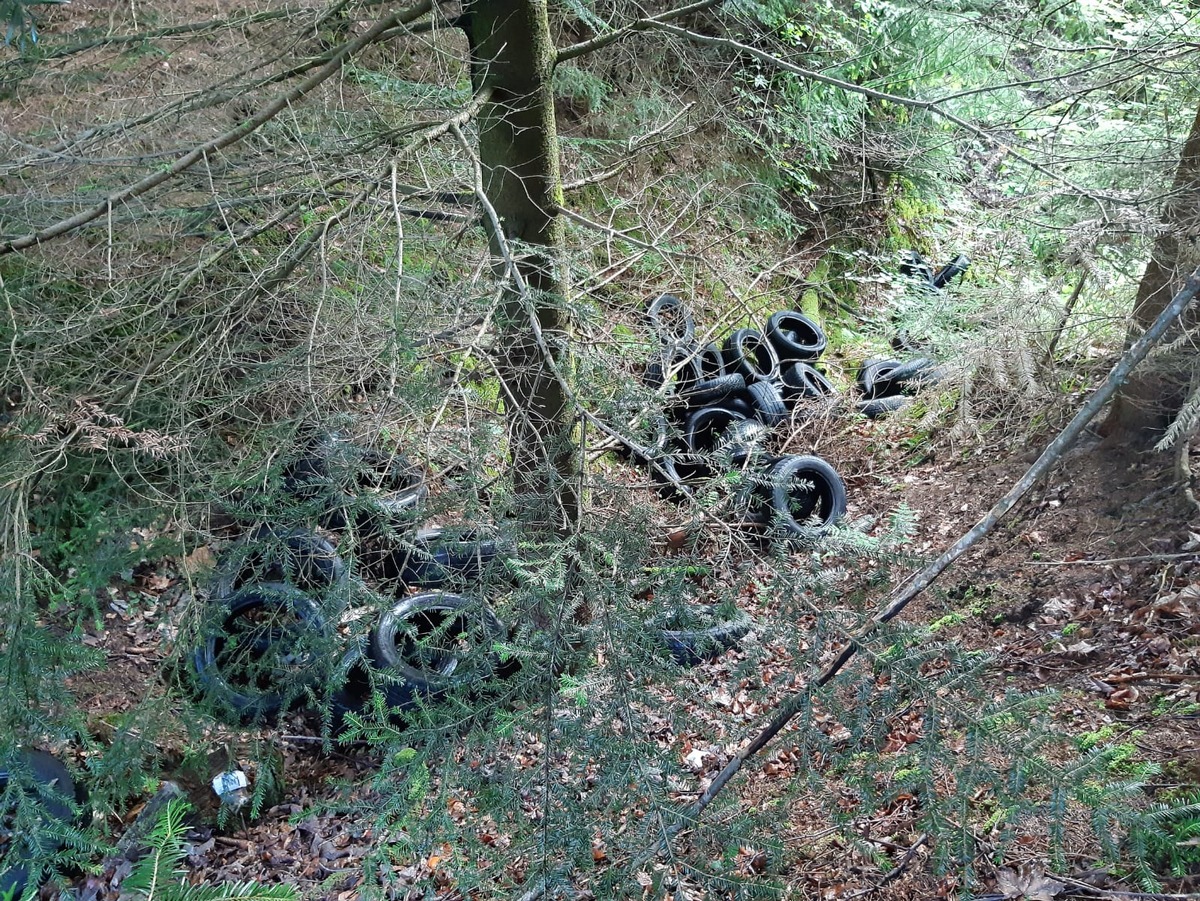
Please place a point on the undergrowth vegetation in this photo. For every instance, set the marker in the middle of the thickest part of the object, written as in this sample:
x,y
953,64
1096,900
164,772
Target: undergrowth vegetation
x,y
167,366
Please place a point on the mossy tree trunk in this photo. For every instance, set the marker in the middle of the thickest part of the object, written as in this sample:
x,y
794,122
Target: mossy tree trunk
x,y
512,55
1151,399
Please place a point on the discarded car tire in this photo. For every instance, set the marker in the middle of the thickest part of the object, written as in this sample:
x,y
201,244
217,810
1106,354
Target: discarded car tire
x,y
434,642
743,441
712,391
433,557
874,378
352,483
712,362
748,352
803,381
795,337
690,647
262,653
678,363
951,270
54,797
354,687
671,319
704,427
882,406
769,407
915,266
807,496
297,557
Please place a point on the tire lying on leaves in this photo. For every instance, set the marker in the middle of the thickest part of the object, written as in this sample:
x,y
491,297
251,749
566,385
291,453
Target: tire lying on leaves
x,y
747,352
262,651
795,337
712,362
433,557
704,427
803,381
742,442
882,406
887,378
354,484
434,642
671,319
712,391
807,496
676,362
53,792
297,557
353,688
696,634
768,403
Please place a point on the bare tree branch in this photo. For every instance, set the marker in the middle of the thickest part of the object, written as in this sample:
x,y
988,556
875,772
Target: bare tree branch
x,y
931,106
624,31
280,103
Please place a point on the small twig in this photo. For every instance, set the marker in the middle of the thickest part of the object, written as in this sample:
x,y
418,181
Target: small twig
x,y
1147,677
270,111
1068,309
1090,889
899,868
1144,558
611,37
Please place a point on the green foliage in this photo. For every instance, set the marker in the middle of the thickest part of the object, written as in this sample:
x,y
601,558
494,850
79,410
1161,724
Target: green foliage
x,y
20,25
158,876
1164,840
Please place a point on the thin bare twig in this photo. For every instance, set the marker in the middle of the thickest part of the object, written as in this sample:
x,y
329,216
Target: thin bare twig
x,y
270,111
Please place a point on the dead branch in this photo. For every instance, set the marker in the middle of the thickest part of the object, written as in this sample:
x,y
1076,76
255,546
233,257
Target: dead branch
x,y
280,103
933,107
624,31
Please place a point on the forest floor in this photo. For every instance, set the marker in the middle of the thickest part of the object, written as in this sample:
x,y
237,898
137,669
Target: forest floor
x,y
1091,587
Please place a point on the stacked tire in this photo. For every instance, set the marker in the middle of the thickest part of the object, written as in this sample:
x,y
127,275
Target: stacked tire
x,y
724,402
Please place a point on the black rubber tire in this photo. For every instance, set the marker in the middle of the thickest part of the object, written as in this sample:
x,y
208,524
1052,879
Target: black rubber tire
x,y
296,557
671,319
704,427
712,391
769,407
874,378
805,381
748,352
434,557
793,504
355,484
354,681
258,703
712,362
795,337
743,442
914,374
951,270
692,647
423,674
677,363
55,794
915,266
882,406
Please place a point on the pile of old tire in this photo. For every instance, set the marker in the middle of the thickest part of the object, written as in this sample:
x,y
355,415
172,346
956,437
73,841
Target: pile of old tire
x,y
270,641
724,402
887,385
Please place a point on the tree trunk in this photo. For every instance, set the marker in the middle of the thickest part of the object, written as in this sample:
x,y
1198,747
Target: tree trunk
x,y
1148,403
512,54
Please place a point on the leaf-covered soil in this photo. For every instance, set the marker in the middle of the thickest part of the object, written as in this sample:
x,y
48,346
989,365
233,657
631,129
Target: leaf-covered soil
x,y
1089,588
